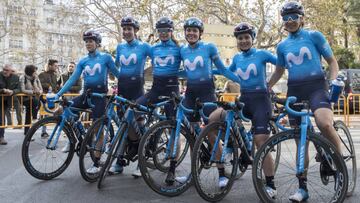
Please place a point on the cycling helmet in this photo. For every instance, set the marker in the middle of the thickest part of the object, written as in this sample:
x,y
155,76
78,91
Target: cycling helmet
x,y
130,21
292,7
92,34
244,28
164,22
194,22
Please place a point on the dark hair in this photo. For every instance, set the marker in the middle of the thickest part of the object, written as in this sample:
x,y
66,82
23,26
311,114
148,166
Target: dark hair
x,y
72,62
30,69
52,61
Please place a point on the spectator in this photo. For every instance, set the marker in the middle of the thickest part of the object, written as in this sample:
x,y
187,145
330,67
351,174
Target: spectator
x,y
64,77
48,78
30,84
9,86
13,103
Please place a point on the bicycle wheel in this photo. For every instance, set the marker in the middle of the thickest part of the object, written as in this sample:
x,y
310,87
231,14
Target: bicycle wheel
x,y
111,154
322,185
94,146
205,173
349,154
41,161
155,153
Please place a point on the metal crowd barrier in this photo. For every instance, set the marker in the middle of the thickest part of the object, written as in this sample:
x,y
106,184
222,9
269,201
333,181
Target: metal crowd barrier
x,y
352,108
20,99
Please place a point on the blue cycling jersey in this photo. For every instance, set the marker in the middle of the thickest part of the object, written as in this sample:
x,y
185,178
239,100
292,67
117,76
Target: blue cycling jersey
x,y
198,63
301,54
250,67
165,58
94,68
131,58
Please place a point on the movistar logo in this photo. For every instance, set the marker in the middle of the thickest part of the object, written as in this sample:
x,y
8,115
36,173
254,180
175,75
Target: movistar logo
x,y
126,61
298,60
91,72
163,62
192,65
245,75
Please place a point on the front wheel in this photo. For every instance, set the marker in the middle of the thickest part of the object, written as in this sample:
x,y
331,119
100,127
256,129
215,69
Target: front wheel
x,y
206,172
154,161
43,160
326,177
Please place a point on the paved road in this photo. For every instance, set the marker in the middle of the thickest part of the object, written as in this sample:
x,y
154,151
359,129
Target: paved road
x,y
16,185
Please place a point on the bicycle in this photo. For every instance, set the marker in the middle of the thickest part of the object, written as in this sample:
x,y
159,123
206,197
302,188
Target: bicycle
x,y
348,148
118,147
233,138
328,179
168,142
66,130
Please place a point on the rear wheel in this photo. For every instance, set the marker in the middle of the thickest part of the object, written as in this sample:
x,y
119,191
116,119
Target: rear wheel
x,y
349,155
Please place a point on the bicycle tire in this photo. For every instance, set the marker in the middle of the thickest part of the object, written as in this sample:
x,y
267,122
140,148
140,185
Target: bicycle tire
x,y
341,171
144,165
339,125
29,166
198,157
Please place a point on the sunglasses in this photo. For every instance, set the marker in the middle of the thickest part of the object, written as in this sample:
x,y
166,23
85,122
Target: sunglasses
x,y
164,30
292,17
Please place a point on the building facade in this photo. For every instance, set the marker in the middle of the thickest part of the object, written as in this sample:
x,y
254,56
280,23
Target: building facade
x,y
33,31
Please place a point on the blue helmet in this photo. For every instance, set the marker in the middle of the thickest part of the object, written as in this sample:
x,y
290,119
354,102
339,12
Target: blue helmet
x,y
194,22
292,7
92,34
164,22
245,28
130,21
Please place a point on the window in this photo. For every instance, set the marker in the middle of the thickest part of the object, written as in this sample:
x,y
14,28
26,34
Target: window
x,y
16,44
50,21
32,12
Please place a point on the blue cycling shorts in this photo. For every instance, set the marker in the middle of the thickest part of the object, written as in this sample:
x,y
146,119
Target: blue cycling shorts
x,y
315,92
258,109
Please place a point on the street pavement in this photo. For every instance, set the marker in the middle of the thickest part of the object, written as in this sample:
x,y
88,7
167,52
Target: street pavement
x,y
16,185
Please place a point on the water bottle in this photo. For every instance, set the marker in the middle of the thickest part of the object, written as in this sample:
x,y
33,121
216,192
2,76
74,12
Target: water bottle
x,y
80,127
337,87
50,97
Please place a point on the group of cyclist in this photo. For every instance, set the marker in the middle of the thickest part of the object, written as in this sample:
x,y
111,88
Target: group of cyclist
x,y
300,53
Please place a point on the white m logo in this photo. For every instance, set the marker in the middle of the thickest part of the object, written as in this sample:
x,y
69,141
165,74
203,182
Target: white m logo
x,y
245,75
91,72
163,62
192,65
126,61
297,60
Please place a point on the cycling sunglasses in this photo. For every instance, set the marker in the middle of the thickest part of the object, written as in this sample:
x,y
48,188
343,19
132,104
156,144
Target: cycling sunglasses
x,y
292,17
164,30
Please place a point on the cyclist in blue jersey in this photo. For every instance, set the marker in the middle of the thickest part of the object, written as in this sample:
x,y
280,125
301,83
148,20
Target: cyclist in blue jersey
x,y
300,53
94,68
130,58
198,58
165,57
250,66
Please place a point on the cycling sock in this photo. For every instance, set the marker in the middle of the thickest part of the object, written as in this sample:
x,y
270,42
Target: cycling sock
x,y
303,183
270,182
221,172
172,166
